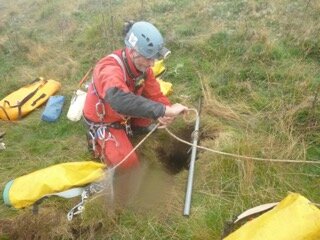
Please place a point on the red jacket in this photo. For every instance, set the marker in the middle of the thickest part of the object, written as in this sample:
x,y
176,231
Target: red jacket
x,y
121,98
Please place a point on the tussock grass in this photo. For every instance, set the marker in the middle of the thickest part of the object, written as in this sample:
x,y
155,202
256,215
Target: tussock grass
x,y
213,107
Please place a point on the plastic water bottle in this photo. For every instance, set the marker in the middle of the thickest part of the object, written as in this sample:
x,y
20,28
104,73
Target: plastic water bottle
x,y
76,106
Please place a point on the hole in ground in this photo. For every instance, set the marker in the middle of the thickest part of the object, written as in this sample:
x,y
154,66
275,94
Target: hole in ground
x,y
175,155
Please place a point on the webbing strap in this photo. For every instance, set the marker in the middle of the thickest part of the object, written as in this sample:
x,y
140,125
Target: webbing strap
x,y
25,99
5,112
116,125
118,59
101,100
120,62
30,95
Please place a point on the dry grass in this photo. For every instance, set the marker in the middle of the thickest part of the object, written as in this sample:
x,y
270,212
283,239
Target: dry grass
x,y
213,107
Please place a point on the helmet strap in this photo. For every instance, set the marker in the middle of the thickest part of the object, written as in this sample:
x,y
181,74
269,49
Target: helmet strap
x,y
126,64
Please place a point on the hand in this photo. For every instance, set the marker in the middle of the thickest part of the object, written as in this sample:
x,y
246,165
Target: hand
x,y
170,114
165,121
175,110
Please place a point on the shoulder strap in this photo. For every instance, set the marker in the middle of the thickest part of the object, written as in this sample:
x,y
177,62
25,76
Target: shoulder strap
x,y
126,69
118,59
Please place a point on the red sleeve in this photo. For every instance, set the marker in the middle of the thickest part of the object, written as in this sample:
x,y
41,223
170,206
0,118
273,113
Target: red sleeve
x,y
108,74
112,87
152,89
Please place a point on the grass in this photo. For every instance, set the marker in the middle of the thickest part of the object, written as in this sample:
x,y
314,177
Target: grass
x,y
256,65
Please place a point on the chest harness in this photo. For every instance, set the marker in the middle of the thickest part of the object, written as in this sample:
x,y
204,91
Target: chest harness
x,y
100,131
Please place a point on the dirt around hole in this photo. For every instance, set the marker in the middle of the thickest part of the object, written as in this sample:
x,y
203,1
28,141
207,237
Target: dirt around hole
x,y
175,155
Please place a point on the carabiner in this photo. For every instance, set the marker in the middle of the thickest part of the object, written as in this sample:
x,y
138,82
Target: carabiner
x,y
100,110
128,130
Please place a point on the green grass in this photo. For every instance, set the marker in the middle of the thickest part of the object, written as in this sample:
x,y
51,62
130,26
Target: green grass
x,y
256,64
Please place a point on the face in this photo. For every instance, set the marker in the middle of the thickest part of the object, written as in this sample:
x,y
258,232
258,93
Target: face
x,y
140,62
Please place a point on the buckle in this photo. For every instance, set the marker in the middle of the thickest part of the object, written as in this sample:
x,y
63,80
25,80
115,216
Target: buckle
x,y
128,130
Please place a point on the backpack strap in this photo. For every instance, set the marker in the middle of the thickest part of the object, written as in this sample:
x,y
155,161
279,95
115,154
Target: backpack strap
x,y
24,100
5,112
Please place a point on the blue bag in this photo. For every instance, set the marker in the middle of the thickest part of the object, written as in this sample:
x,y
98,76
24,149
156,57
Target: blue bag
x,y
53,108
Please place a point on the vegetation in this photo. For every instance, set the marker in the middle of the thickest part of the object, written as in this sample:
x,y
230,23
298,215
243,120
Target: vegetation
x,y
255,63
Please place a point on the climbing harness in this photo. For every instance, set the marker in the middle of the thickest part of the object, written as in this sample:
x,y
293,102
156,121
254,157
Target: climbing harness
x,y
101,130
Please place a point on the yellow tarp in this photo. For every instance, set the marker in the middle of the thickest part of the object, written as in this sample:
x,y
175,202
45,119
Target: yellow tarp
x,y
294,218
27,189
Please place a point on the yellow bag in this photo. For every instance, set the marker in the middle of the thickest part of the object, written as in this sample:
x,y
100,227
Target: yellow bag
x,y
158,69
28,189
294,218
165,87
24,100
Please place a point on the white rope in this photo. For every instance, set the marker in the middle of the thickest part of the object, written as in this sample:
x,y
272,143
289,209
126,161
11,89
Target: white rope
x,y
237,155
242,156
214,151
138,145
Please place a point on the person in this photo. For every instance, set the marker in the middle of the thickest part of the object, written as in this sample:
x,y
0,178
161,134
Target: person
x,y
124,95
